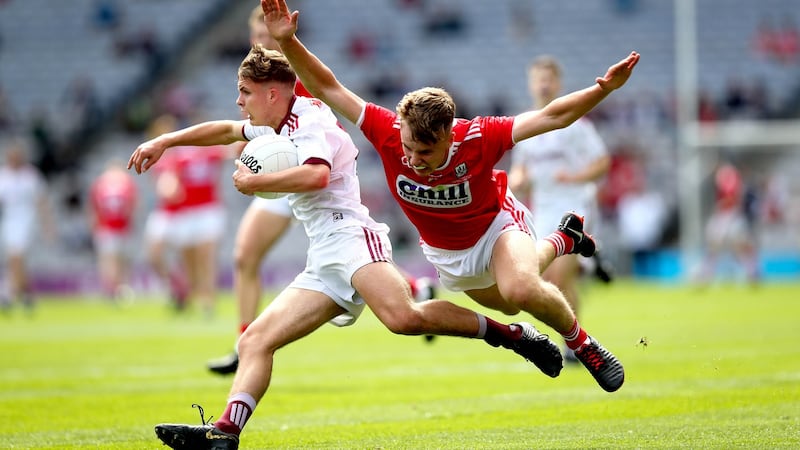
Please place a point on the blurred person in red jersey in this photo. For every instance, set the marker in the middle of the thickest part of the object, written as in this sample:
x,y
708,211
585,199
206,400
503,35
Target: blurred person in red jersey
x,y
190,219
727,229
113,200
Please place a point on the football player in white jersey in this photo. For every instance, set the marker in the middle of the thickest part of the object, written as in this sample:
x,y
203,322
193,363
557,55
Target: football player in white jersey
x,y
24,212
264,222
558,171
349,261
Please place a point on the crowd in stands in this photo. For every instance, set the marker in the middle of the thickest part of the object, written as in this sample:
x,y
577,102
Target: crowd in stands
x,y
625,117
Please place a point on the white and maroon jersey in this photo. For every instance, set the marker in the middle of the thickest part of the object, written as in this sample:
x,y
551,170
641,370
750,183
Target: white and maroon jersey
x,y
453,206
21,190
113,197
566,150
313,128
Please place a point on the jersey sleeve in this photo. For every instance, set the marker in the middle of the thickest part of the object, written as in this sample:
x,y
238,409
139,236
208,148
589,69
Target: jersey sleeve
x,y
497,135
310,140
250,131
375,123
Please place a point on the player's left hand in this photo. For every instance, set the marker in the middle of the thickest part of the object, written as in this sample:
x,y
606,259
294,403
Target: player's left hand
x,y
619,73
241,177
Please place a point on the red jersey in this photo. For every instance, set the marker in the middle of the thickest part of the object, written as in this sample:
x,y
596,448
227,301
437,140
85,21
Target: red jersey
x,y
301,90
113,198
453,206
198,171
729,188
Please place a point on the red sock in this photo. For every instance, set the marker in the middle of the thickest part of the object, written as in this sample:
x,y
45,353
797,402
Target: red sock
x,y
498,333
575,337
562,243
240,408
243,326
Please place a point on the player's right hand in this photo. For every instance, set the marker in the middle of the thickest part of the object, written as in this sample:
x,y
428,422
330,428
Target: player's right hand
x,y
145,156
280,22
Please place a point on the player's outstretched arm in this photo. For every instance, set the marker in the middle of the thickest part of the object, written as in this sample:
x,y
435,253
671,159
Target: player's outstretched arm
x,y
218,132
566,109
313,73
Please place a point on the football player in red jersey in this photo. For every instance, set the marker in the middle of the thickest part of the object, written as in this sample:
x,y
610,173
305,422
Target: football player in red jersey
x,y
727,227
113,199
440,170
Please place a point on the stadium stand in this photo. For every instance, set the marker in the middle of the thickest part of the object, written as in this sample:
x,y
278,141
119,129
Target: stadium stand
x,y
47,45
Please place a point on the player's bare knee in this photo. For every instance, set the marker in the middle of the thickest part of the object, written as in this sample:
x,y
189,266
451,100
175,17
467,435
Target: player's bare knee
x,y
253,341
406,322
526,296
245,261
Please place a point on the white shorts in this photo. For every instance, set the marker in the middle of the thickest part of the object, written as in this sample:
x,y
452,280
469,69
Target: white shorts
x,y
279,206
464,270
726,228
156,226
112,242
329,273
196,226
17,234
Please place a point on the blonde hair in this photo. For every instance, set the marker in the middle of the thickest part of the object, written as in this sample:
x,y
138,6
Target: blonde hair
x,y
429,114
546,62
262,64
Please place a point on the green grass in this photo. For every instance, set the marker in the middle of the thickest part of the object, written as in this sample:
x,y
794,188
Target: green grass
x,y
721,369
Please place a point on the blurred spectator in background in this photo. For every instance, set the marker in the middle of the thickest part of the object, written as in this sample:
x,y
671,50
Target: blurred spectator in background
x,y
145,42
113,199
763,39
706,107
361,44
107,15
7,119
81,106
521,25
444,20
46,146
642,215
178,101
556,172
775,43
624,176
787,40
25,217
727,228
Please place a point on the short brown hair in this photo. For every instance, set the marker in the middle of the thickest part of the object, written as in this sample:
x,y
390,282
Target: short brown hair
x,y
262,65
546,62
428,112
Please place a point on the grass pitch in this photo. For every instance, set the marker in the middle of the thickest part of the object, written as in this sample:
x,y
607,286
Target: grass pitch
x,y
718,368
